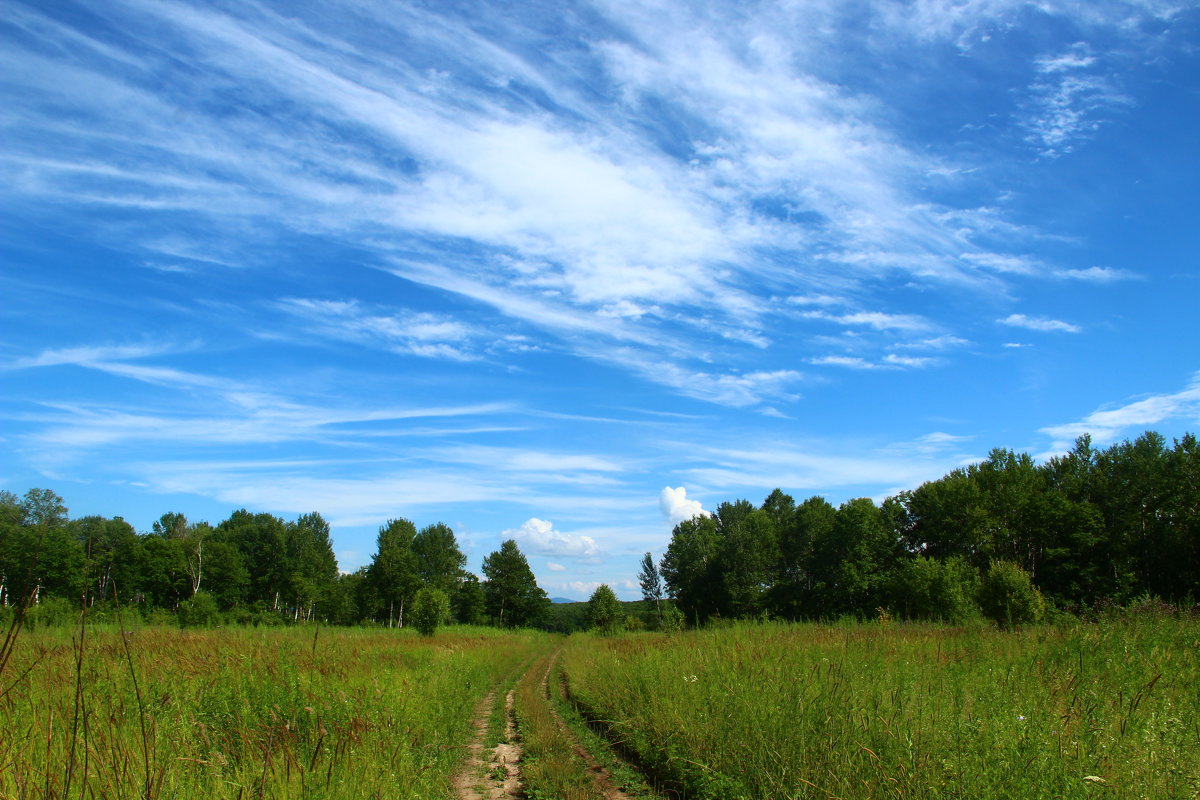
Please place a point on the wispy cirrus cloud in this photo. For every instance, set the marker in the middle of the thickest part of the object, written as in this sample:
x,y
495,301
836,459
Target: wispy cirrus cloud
x,y
876,320
1040,324
1067,103
889,361
1100,275
1107,425
416,333
816,468
567,210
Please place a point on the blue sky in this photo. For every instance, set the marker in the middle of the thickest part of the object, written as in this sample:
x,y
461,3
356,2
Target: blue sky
x,y
569,272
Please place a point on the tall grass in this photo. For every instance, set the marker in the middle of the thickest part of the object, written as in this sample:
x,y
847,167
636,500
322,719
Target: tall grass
x,y
874,711
163,713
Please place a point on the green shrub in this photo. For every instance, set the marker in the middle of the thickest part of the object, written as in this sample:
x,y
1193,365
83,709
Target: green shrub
x,y
932,589
430,609
52,612
1008,597
672,618
199,612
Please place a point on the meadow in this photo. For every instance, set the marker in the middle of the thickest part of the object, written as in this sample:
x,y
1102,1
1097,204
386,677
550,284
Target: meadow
x,y
160,712
903,711
771,710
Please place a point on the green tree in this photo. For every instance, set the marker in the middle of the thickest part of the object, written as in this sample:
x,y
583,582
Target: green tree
x,y
604,611
226,577
810,523
43,509
163,580
511,595
430,609
311,567
749,563
852,561
439,561
108,545
261,539
690,567
468,601
394,571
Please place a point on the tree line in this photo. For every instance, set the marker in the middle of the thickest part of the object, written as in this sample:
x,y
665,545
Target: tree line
x,y
252,568
1090,528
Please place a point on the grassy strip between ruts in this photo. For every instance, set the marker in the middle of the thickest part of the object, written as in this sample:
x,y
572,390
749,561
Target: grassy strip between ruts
x,y
913,711
556,741
551,769
158,712
623,774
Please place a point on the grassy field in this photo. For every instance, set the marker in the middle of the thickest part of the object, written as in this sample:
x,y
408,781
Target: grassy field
x,y
902,711
164,713
748,711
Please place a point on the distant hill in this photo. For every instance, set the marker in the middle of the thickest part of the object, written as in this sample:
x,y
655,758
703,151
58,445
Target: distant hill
x,y
562,600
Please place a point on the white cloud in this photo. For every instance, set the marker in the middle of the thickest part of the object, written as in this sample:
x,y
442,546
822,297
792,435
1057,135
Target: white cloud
x,y
916,362
815,300
850,362
1099,275
578,589
89,355
554,566
944,342
820,468
928,445
873,319
539,536
1077,57
676,506
1107,425
416,333
1065,106
889,361
1041,324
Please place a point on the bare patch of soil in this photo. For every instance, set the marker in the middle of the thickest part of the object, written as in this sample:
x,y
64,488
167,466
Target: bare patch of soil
x,y
499,776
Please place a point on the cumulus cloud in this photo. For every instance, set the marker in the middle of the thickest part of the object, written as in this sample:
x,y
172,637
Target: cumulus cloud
x,y
1041,324
539,536
578,589
554,566
676,506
